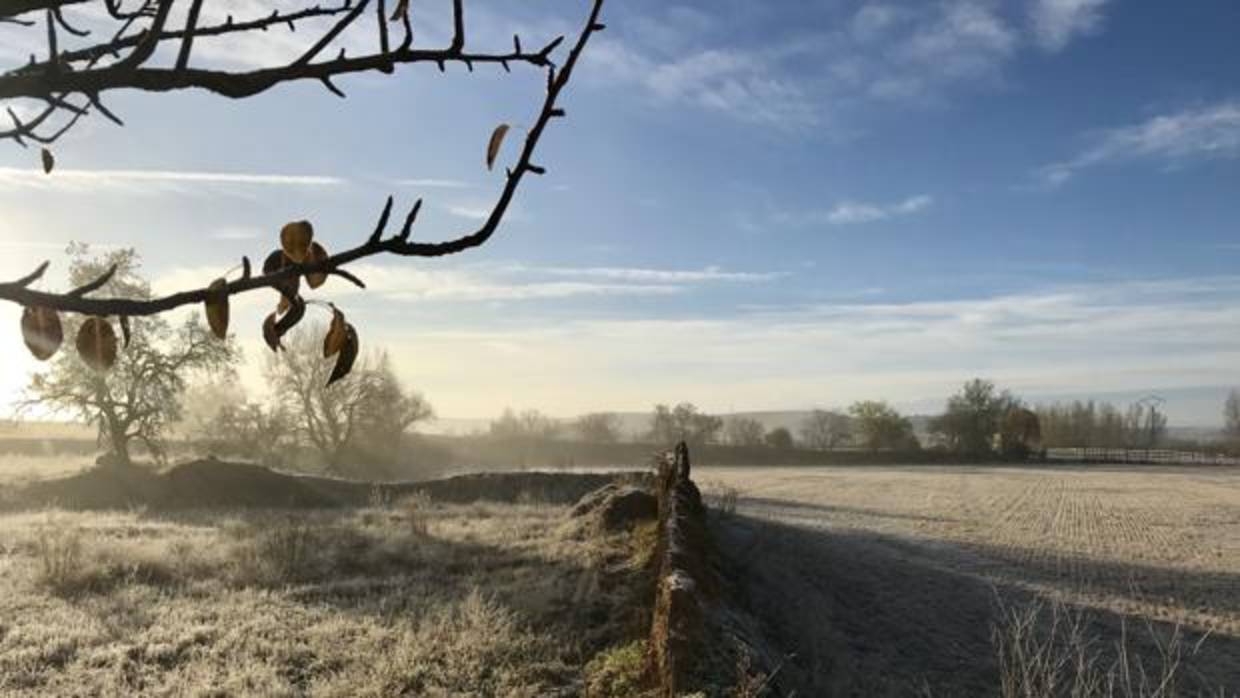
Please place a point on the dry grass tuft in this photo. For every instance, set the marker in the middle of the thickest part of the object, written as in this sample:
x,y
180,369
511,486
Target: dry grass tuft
x,y
407,597
720,498
279,553
618,672
61,564
1045,650
416,509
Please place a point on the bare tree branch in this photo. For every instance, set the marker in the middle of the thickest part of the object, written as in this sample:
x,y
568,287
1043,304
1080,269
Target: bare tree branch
x,y
378,242
70,72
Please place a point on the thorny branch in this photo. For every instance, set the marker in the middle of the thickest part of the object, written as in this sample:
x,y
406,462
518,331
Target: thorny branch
x,y
55,81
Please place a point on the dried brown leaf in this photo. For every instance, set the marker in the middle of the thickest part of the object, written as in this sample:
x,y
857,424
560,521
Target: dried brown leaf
x,y
217,308
295,239
497,141
269,333
42,332
296,311
336,334
348,354
317,254
96,343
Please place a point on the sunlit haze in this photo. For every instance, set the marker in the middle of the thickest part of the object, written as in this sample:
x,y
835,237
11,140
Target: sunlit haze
x,y
753,206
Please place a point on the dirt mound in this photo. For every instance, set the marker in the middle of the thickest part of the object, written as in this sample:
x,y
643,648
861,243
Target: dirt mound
x,y
617,506
215,483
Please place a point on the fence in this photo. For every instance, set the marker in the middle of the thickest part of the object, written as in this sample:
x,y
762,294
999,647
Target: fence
x,y
1139,456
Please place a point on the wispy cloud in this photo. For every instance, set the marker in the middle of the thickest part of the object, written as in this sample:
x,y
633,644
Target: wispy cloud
x,y
473,213
1086,338
500,282
1192,134
856,212
744,84
236,233
1057,22
151,180
882,51
674,276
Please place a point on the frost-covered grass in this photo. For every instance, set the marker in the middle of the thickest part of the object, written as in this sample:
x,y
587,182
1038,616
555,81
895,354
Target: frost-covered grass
x,y
401,598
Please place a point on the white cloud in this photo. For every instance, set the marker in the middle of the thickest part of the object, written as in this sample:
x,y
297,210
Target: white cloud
x,y
799,75
493,282
743,84
856,212
236,233
1057,22
967,38
674,276
138,181
874,19
1200,133
473,213
1079,339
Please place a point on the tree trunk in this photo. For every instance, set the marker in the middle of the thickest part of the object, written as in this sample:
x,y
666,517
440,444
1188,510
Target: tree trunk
x,y
118,438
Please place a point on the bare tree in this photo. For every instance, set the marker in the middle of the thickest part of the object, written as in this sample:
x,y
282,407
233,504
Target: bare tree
x,y
598,427
683,423
141,396
366,410
150,47
528,424
1231,416
743,431
249,430
826,430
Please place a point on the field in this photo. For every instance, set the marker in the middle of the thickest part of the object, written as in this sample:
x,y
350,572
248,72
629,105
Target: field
x,y
905,581
867,581
408,597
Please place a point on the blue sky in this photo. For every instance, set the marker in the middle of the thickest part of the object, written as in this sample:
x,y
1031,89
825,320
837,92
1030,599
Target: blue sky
x,y
751,206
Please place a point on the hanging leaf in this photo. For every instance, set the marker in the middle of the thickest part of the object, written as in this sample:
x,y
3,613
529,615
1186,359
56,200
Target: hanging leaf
x,y
336,334
269,333
295,240
217,307
96,343
348,354
274,262
497,140
296,311
317,254
42,332
125,334
49,161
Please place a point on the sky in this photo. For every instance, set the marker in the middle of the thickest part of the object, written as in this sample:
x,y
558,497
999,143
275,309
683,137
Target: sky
x,y
751,206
